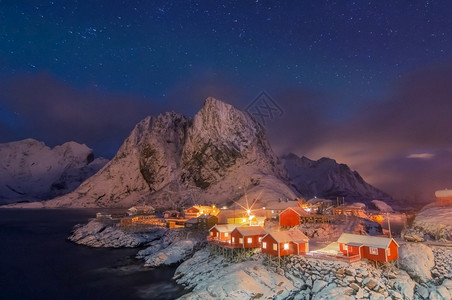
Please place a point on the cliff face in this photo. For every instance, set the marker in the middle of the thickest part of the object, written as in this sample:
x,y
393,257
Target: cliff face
x,y
30,170
171,160
325,178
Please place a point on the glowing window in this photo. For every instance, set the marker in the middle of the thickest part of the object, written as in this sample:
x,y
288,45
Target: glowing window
x,y
373,250
264,245
240,240
260,239
233,239
345,248
211,233
226,234
218,234
286,246
249,240
275,246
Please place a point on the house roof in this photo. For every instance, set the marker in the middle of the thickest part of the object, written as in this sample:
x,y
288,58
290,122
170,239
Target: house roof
x,y
365,240
251,230
206,216
141,207
192,221
299,211
224,227
200,207
294,235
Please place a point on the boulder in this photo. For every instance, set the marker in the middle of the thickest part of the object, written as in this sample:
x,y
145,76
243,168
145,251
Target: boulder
x,y
370,282
417,260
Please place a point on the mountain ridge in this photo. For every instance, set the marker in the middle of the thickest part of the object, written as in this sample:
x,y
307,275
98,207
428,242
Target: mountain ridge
x,y
220,156
325,178
30,170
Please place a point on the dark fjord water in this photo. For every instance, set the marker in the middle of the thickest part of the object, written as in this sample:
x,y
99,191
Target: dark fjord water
x,y
37,262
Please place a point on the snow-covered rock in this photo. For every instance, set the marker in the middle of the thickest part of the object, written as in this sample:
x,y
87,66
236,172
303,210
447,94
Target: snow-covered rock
x,y
404,285
98,234
174,253
332,292
171,160
326,178
212,277
434,221
417,260
30,170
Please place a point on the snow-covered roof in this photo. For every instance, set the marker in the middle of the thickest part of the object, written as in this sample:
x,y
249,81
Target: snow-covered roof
x,y
251,230
289,236
299,211
443,193
366,240
317,200
141,207
382,206
224,227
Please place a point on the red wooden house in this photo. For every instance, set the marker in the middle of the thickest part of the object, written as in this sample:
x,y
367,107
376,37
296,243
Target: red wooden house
x,y
291,216
381,249
198,210
221,233
281,243
247,237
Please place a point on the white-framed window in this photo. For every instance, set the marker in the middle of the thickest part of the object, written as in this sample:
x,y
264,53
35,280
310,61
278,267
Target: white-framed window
x,y
388,252
260,239
249,240
240,240
233,239
286,246
264,245
226,234
373,250
275,247
345,248
218,234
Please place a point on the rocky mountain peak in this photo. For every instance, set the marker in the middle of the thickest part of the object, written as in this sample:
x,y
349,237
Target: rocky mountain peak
x,y
220,136
326,178
172,160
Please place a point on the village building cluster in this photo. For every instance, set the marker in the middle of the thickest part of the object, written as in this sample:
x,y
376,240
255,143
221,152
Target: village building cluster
x,y
240,232
237,235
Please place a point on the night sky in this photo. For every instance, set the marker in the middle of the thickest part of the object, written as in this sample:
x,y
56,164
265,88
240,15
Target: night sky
x,y
368,83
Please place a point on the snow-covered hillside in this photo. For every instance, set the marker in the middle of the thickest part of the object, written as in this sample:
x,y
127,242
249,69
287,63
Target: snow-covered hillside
x,y
30,170
325,178
171,160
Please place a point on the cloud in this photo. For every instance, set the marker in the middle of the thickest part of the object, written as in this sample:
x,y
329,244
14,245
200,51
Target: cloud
x,y
376,139
421,155
50,110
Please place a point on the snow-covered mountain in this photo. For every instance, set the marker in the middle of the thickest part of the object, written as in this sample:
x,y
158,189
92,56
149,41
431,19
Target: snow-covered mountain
x,y
325,178
30,170
171,160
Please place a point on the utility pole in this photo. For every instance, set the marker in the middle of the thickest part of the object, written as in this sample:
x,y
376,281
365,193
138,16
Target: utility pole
x,y
389,225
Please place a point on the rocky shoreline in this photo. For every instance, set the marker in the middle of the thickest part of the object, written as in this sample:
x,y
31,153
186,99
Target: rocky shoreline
x,y
424,272
299,277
